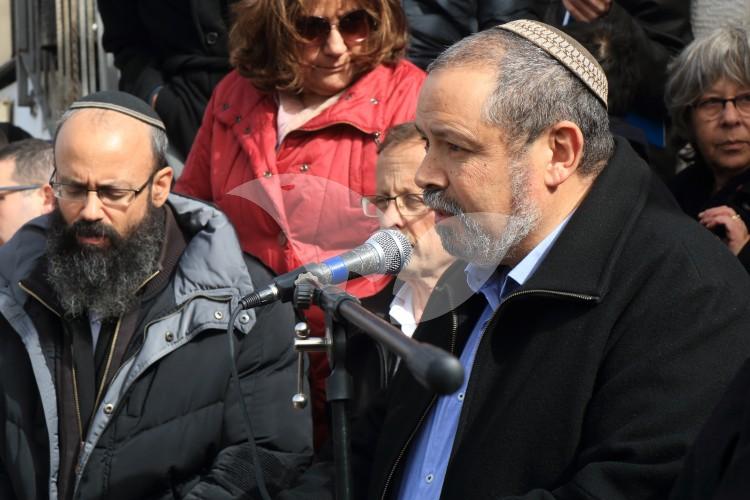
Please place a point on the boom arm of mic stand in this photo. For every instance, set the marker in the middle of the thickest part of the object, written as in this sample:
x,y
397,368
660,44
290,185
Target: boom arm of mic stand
x,y
434,368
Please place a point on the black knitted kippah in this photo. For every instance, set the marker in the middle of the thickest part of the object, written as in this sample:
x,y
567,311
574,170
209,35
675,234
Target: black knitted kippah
x,y
122,102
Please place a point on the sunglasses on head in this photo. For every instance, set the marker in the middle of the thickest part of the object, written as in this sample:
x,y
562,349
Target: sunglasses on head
x,y
354,27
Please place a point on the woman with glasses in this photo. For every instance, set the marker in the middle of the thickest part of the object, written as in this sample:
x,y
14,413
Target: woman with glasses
x,y
288,141
708,95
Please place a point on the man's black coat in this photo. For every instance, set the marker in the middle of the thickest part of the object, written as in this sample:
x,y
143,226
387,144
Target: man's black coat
x,y
592,379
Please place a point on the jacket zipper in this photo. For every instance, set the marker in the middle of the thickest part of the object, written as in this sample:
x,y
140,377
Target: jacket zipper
x,y
453,345
454,332
222,298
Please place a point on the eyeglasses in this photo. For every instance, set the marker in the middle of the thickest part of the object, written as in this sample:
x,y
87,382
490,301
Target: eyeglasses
x,y
14,189
354,27
407,204
713,106
113,197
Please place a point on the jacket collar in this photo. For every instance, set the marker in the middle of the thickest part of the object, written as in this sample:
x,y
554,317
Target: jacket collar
x,y
239,108
582,259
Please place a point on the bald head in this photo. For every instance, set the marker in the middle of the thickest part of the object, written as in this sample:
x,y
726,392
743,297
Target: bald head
x,y
110,120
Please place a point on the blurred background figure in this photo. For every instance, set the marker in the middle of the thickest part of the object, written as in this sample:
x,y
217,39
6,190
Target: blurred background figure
x,y
708,95
435,25
11,133
289,140
398,204
654,32
614,51
707,15
659,29
25,169
170,54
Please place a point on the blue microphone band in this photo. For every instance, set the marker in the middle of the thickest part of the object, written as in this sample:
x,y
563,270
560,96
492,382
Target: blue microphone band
x,y
338,268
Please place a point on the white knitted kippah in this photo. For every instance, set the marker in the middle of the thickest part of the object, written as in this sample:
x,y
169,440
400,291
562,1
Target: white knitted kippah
x,y
566,50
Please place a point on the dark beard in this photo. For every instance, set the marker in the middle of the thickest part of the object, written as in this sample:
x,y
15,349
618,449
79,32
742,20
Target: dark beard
x,y
103,281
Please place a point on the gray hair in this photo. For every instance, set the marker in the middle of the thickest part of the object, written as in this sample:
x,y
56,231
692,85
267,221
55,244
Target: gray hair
x,y
159,141
533,91
723,53
400,134
33,160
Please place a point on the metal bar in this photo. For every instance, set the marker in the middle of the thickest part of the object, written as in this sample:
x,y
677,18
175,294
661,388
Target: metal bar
x,y
83,47
91,38
21,37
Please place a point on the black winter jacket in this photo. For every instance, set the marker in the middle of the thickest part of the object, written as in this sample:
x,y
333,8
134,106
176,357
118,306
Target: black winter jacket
x,y
435,25
593,378
169,424
659,30
178,45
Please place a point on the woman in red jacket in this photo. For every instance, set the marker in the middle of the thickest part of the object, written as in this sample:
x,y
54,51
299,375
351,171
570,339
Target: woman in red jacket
x,y
288,141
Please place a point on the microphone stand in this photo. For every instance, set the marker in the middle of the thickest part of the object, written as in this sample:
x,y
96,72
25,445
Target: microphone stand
x,y
431,366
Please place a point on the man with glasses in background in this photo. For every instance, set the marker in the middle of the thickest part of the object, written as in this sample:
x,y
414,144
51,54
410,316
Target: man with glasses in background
x,y
25,167
398,204
113,318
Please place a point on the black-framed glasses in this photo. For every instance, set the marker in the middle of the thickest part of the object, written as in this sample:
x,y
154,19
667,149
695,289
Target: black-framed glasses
x,y
354,27
713,106
407,204
110,196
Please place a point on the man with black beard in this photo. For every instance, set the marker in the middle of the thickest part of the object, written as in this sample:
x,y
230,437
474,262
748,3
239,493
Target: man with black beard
x,y
115,373
602,323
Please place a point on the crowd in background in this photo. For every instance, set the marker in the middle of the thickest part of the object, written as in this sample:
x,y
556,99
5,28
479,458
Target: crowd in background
x,y
300,130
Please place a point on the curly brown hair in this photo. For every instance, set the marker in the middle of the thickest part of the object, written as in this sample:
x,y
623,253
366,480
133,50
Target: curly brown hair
x,y
265,46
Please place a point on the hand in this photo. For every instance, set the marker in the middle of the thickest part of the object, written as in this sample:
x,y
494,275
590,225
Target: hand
x,y
736,233
153,96
587,11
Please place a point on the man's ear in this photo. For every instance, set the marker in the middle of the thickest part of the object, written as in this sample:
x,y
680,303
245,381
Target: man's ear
x,y
565,141
162,185
48,198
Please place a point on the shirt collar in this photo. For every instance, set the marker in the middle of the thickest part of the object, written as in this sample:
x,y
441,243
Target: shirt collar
x,y
402,309
496,283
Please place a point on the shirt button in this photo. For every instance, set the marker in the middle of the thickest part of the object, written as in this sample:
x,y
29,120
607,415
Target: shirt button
x,y
237,119
429,478
373,101
460,396
304,168
109,408
169,336
267,174
211,37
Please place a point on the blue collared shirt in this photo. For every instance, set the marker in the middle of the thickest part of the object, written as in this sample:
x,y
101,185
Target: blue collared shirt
x,y
427,462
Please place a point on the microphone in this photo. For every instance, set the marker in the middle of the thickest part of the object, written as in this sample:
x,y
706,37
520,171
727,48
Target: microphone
x,y
385,252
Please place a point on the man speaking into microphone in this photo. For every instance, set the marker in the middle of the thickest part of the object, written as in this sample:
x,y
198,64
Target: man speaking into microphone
x,y
604,322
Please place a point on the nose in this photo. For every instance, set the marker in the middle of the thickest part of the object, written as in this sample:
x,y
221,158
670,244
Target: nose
x,y
391,217
335,44
730,115
430,175
92,208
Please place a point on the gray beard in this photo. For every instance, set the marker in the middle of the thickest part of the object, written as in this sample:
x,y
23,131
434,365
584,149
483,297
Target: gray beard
x,y
102,281
474,242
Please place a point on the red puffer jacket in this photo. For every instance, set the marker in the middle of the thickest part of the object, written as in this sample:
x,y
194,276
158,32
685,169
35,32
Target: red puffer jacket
x,y
300,202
